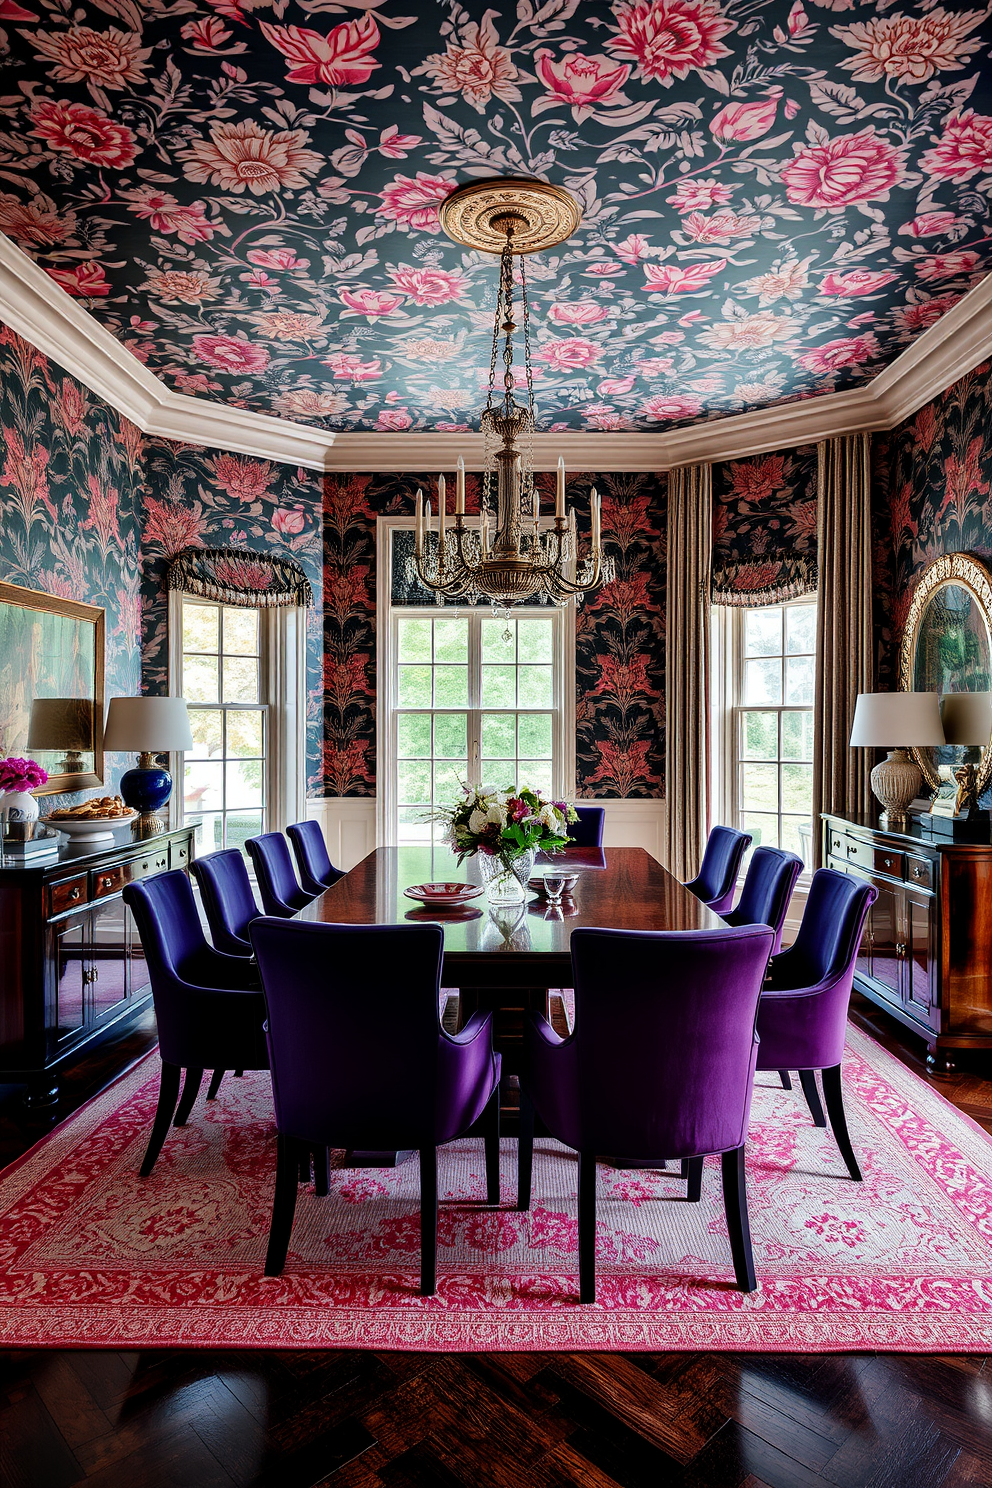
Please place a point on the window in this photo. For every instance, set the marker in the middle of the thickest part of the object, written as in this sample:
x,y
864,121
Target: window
x,y
470,698
224,681
767,769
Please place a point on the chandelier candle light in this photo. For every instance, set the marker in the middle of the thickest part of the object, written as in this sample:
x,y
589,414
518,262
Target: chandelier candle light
x,y
511,559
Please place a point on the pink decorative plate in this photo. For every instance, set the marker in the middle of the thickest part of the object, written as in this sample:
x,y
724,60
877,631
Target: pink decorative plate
x,y
443,893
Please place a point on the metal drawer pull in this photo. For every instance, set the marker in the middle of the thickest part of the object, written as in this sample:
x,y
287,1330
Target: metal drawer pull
x,y
887,862
74,893
851,848
900,948
107,882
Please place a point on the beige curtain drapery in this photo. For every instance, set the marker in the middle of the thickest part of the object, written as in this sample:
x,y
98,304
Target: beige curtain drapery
x,y
687,680
844,626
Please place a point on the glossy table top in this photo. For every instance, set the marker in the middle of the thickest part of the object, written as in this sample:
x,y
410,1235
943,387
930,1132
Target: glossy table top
x,y
619,888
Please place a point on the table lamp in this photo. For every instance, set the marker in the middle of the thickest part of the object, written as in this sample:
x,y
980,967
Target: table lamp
x,y
967,720
150,726
65,724
896,721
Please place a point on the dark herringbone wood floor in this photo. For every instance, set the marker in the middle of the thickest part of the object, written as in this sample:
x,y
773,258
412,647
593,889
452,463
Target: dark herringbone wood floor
x,y
358,1420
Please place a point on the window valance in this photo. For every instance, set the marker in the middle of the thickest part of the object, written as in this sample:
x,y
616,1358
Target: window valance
x,y
764,528
238,576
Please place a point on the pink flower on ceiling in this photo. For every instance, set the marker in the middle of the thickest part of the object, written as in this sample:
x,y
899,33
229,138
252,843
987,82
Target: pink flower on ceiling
x,y
231,353
744,121
783,281
34,223
340,59
946,265
581,81
667,406
695,196
288,325
749,332
370,302
929,225
429,286
101,59
82,280
209,35
289,520
923,314
848,351
86,133
396,146
607,420
276,258
578,312
415,203
476,66
393,420
909,48
307,403
671,279
655,366
351,367
850,168
612,387
243,479
720,228
856,282
668,38
965,147
604,270
633,248
240,156
166,215
570,354
184,286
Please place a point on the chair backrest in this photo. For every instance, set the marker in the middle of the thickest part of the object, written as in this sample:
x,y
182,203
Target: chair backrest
x,y
588,830
281,894
228,901
664,1035
172,937
316,870
771,878
721,861
830,934
352,1027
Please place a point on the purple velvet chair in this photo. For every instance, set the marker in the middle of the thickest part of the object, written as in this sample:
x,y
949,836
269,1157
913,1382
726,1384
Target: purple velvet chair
x,y
281,894
771,878
661,1059
208,1005
588,830
802,1019
360,1060
315,868
717,877
228,902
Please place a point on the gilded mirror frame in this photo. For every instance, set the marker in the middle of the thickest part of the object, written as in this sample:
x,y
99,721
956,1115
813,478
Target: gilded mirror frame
x,y
964,572
52,604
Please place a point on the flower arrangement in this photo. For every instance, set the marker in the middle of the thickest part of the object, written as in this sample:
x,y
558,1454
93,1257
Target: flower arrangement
x,y
20,775
504,824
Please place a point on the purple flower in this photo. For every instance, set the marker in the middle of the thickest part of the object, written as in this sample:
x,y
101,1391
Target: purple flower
x,y
20,775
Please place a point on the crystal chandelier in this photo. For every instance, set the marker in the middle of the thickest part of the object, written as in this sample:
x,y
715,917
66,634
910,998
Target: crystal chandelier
x,y
513,557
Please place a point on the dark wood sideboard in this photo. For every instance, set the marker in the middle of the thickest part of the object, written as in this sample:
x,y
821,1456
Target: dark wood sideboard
x,y
926,956
71,964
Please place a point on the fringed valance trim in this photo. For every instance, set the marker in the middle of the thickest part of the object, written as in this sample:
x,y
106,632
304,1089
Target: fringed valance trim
x,y
238,576
764,581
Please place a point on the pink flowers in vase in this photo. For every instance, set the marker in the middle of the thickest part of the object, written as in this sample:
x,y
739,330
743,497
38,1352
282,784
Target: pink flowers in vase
x,y
20,775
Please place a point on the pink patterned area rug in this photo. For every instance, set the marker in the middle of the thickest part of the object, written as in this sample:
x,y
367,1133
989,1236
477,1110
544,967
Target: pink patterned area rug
x,y
91,1255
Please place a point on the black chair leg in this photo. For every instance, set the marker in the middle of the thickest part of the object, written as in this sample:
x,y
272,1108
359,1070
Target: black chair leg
x,y
786,1079
834,1098
587,1227
238,1074
283,1205
321,1172
807,1079
191,1089
214,1085
684,1167
168,1095
428,1221
305,1170
738,1227
525,1151
490,1118
695,1177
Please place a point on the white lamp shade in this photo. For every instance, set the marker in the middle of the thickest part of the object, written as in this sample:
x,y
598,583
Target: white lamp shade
x,y
967,717
147,725
896,720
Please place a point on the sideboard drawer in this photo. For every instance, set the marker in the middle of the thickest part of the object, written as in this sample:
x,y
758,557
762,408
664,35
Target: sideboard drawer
x,y
69,894
888,861
110,880
156,862
919,871
860,853
179,854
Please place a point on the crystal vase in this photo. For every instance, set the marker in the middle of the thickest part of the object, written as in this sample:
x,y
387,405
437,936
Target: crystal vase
x,y
506,878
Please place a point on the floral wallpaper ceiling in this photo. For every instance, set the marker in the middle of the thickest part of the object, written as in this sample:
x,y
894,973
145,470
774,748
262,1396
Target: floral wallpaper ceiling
x,y
777,196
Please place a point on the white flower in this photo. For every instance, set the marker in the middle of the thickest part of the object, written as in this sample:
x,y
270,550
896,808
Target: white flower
x,y
497,814
477,820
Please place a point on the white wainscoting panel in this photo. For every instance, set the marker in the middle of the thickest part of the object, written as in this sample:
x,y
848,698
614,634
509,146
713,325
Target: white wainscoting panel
x,y
348,824
634,824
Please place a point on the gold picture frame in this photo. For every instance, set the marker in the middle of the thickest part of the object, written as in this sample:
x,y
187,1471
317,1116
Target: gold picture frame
x,y
52,651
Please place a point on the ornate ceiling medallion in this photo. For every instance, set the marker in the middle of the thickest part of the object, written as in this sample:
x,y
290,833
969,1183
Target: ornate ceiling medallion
x,y
543,215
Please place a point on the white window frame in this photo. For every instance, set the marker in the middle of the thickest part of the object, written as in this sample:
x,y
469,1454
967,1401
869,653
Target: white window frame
x,y
562,706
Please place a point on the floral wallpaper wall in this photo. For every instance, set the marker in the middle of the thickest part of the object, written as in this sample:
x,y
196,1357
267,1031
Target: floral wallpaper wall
x,y
70,505
777,195
932,481
764,527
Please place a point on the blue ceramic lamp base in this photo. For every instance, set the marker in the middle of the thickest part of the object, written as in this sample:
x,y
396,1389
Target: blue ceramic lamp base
x,y
146,789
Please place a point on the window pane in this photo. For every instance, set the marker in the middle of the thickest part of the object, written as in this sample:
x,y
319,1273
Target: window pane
x,y
494,646
451,640
200,627
763,682
449,777
203,786
800,628
244,732
759,735
763,828
241,632
415,687
536,734
797,837
240,679
535,773
534,687
535,640
498,686
413,735
797,787
759,787
499,736
414,640
412,827
799,680
200,679
450,687
451,735
414,781
244,784
207,729
763,632
797,736
241,825
209,833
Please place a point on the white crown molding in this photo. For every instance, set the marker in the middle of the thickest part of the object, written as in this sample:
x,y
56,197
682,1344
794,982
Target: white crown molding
x,y
45,315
